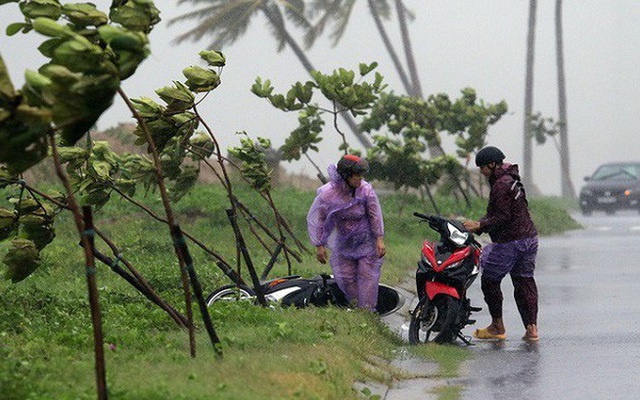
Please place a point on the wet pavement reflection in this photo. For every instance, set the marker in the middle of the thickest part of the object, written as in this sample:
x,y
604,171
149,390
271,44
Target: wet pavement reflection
x,y
589,285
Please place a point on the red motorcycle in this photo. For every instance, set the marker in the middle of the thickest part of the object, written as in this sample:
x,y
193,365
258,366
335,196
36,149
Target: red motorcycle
x,y
446,270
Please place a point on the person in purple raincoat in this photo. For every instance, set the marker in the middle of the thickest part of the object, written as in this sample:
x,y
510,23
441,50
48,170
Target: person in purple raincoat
x,y
346,218
513,249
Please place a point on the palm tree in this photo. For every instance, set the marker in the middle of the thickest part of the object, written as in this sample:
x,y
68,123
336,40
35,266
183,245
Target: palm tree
x,y
339,13
528,93
228,20
567,189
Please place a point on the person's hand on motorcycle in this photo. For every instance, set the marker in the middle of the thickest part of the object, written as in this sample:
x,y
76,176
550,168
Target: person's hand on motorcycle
x,y
472,226
381,250
321,254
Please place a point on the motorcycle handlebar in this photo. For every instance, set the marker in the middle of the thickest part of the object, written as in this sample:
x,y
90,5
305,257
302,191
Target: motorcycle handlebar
x,y
433,220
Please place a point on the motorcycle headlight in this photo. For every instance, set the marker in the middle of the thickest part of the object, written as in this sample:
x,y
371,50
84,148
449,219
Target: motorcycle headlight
x,y
456,235
455,264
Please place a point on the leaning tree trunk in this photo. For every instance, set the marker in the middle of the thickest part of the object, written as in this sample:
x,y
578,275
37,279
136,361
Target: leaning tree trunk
x,y
567,189
416,87
277,22
411,85
408,50
389,46
528,94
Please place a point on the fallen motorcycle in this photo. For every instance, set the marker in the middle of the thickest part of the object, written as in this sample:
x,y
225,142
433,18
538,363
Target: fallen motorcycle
x,y
446,270
321,290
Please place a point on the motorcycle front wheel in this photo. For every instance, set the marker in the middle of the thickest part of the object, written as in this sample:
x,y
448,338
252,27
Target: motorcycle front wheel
x,y
435,320
230,293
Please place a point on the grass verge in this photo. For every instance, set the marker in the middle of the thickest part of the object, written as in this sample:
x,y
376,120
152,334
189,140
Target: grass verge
x,y
46,348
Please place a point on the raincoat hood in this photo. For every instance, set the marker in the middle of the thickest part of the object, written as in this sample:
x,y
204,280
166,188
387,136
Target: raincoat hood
x,y
505,169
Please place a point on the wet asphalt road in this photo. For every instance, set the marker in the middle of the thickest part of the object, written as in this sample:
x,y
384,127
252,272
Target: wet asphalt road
x,y
589,321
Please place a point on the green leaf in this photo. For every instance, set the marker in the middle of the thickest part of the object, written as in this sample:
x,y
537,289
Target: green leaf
x,y
201,79
23,135
8,222
178,98
185,182
147,107
102,169
79,100
127,186
36,81
260,89
121,39
202,146
365,69
49,27
84,14
304,92
6,177
6,87
23,258
41,8
72,154
346,76
79,56
213,58
48,46
137,15
37,228
97,196
254,162
16,27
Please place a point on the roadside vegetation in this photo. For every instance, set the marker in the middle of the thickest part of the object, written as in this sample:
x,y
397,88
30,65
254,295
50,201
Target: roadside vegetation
x,y
46,346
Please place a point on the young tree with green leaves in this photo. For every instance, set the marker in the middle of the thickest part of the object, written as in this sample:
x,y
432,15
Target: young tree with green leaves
x,y
89,54
408,126
341,93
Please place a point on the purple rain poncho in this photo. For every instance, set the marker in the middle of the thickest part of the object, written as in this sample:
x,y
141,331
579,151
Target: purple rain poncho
x,y
348,223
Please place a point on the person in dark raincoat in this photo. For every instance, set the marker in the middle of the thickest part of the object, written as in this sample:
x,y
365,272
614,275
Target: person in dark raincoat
x,y
513,249
346,218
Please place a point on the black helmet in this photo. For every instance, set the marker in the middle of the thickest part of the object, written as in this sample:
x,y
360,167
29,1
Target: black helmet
x,y
489,154
352,164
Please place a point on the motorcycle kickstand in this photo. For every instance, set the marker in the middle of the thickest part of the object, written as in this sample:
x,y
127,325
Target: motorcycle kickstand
x,y
466,340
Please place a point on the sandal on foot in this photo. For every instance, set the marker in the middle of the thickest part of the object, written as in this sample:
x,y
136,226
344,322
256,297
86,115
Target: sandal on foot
x,y
528,338
485,334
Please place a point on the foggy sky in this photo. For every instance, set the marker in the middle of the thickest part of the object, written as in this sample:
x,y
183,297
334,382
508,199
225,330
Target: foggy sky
x,y
457,43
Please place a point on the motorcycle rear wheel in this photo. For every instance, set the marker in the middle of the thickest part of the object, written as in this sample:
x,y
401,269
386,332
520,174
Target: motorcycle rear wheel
x,y
439,316
230,293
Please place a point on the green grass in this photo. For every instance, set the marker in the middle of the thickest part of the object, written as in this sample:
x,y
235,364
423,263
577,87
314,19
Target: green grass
x,y
551,217
46,337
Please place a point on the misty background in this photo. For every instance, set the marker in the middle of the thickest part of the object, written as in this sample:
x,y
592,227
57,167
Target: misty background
x,y
456,44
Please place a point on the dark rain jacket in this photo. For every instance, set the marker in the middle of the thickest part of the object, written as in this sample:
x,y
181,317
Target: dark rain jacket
x,y
507,217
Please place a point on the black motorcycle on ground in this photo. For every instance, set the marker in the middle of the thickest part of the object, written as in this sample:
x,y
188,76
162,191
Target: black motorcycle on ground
x,y
321,290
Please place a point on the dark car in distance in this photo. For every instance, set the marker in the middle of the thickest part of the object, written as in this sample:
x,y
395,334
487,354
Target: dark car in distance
x,y
613,186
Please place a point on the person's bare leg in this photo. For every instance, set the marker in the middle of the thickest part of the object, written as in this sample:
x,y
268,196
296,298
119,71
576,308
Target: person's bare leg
x,y
496,327
493,298
531,332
